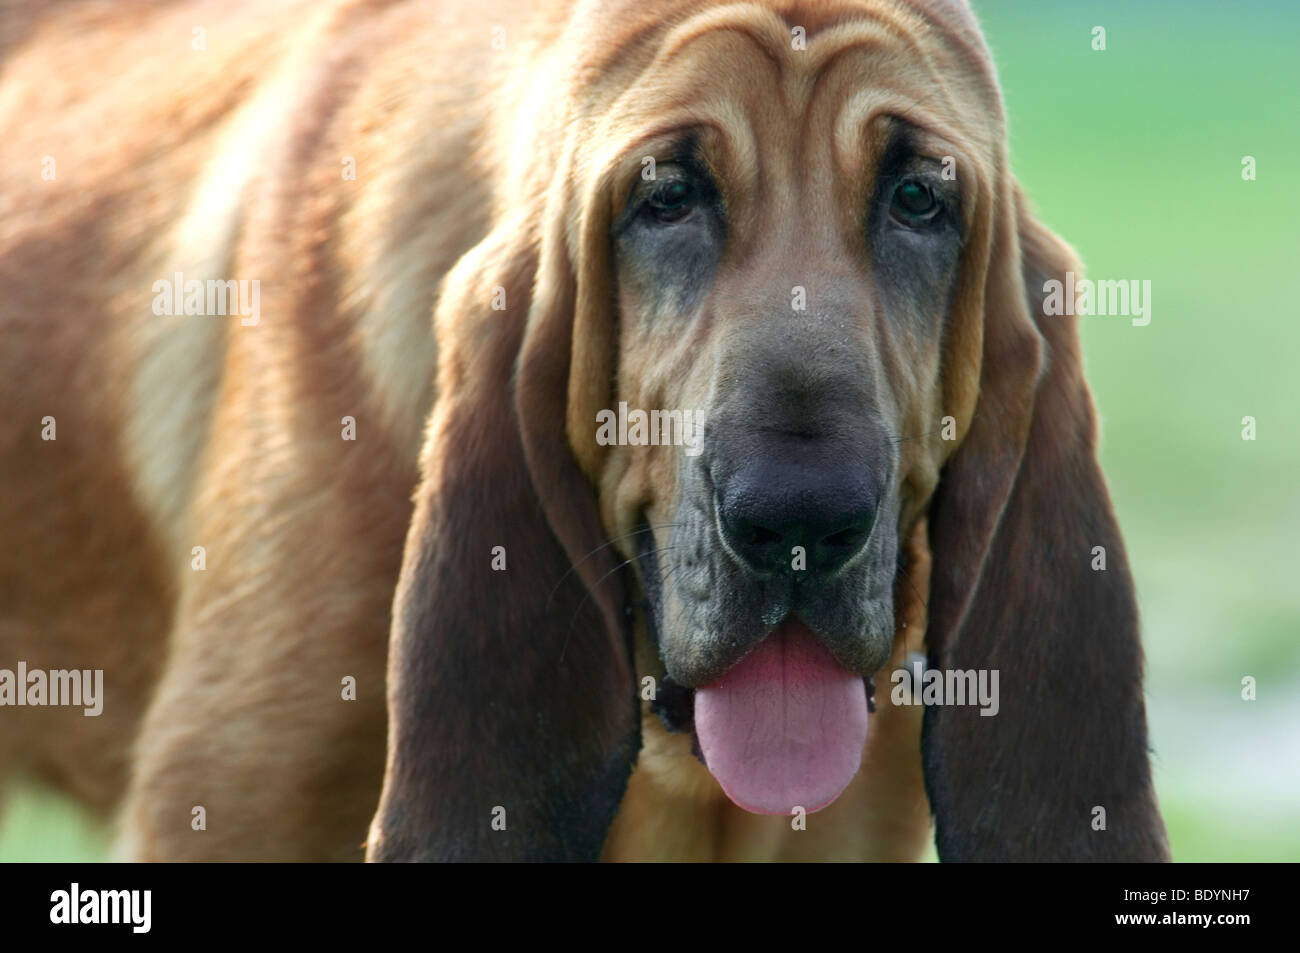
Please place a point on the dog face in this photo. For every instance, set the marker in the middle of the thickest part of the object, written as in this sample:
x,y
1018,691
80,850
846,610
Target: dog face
x,y
796,223
807,350
784,266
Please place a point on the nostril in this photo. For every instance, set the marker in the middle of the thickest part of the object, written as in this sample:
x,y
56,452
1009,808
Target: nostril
x,y
845,539
758,536
757,545
837,549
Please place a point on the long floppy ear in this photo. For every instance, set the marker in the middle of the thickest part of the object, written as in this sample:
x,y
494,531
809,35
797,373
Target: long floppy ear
x,y
1060,772
513,722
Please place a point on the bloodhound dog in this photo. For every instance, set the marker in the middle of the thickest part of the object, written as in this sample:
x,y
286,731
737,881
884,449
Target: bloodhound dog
x,y
604,403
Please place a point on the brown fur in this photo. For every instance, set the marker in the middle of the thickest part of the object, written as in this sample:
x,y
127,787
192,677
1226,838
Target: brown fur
x,y
477,170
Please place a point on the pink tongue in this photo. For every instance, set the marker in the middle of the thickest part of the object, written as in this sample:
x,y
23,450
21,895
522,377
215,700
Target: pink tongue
x,y
785,727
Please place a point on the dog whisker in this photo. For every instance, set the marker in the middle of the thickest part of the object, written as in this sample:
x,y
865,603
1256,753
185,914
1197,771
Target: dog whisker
x,y
576,612
617,539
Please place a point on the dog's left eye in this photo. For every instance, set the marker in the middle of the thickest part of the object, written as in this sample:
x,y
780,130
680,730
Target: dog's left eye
x,y
673,200
914,204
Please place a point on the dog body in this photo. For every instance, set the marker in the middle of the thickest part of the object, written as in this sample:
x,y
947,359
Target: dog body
x,y
182,431
216,515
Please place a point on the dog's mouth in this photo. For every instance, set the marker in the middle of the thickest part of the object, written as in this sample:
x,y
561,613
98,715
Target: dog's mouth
x,y
782,729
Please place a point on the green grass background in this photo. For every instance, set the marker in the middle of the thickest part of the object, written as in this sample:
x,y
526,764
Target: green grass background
x,y
1134,156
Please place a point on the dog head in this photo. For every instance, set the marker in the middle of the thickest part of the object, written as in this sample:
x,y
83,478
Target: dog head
x,y
779,299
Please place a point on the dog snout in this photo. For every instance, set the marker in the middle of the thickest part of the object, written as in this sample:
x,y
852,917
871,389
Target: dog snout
x,y
785,516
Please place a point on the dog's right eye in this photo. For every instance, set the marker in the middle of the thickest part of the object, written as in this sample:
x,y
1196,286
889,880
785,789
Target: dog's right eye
x,y
914,204
673,201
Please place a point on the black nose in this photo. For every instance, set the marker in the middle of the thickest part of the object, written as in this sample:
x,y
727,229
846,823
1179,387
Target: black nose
x,y
768,508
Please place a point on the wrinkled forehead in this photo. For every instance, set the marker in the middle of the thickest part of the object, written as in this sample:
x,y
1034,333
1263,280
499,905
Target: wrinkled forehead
x,y
813,75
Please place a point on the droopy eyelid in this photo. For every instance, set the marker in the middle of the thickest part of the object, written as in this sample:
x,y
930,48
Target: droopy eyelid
x,y
679,168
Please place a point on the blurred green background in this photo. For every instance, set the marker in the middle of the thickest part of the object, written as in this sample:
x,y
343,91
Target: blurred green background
x,y
1134,156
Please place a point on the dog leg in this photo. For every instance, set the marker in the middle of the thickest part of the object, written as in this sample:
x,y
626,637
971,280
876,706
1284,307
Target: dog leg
x,y
266,738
